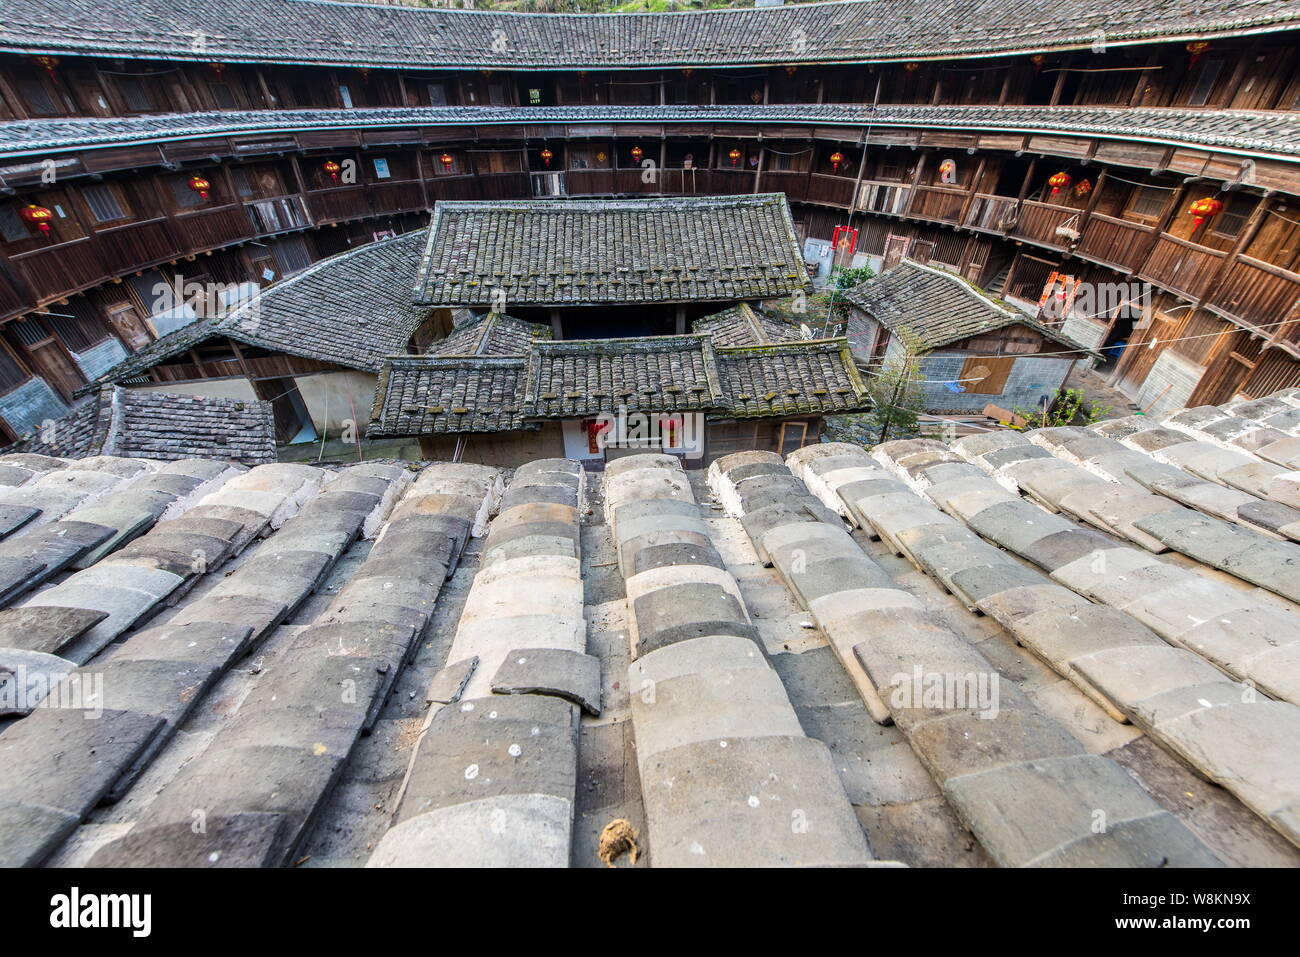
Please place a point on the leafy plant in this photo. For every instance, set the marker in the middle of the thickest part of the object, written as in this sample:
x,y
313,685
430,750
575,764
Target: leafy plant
x,y
1067,407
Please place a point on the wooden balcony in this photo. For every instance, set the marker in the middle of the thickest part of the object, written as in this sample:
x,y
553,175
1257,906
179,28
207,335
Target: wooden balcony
x,y
1182,266
1115,242
1039,222
210,228
888,198
279,214
337,205
1259,294
400,197
58,270
993,214
938,203
124,248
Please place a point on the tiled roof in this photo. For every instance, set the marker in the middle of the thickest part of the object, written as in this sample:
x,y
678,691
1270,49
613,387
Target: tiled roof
x,y
303,31
741,325
1041,624
352,309
804,377
494,334
939,308
585,377
429,395
589,252
139,423
651,374
1266,132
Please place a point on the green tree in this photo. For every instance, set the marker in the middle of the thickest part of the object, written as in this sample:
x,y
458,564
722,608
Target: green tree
x,y
842,280
896,388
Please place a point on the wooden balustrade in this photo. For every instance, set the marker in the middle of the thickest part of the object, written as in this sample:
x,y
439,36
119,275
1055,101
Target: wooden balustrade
x,y
123,248
335,205
1259,294
1182,266
58,270
1115,242
396,197
1039,222
889,198
937,203
211,228
993,214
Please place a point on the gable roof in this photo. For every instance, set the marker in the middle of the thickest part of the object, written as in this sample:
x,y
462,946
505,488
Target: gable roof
x,y
648,374
581,378
144,423
495,334
352,310
940,308
592,252
742,325
816,376
853,31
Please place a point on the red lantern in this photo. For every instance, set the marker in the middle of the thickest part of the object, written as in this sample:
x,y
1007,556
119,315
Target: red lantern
x,y
1083,187
1058,181
49,62
837,159
734,156
637,153
200,186
38,216
218,69
332,168
911,67
1203,209
446,161
547,156
1038,60
790,70
1196,48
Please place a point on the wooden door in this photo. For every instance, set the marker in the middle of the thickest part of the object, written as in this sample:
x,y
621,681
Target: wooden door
x,y
126,322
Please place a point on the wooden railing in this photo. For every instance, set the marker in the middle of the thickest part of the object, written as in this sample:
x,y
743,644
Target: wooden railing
x,y
1038,222
994,214
890,198
211,228
1252,292
124,248
938,203
336,205
1258,293
57,270
1115,242
1182,266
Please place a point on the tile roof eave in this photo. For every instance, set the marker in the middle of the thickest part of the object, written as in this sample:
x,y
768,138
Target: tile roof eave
x,y
1257,133
848,32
